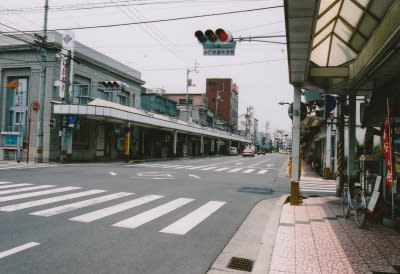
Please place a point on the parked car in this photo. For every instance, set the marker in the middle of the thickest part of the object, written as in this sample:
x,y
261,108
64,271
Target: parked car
x,y
248,152
233,151
261,151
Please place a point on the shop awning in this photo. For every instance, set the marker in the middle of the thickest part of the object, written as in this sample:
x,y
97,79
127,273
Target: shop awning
x,y
101,109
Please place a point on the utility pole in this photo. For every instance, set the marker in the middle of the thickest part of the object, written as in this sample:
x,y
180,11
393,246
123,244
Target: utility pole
x,y
42,90
189,83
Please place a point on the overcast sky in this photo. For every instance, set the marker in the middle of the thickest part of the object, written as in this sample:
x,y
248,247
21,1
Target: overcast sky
x,y
163,51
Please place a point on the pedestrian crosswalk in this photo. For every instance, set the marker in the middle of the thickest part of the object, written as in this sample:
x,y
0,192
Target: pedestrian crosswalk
x,y
214,168
82,200
326,187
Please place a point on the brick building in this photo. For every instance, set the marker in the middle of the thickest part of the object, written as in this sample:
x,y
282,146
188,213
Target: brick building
x,y
223,99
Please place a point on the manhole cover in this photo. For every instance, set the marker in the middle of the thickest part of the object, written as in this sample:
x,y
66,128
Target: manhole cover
x,y
256,190
241,264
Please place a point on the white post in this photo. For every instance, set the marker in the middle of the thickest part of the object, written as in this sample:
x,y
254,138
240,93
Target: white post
x,y
296,135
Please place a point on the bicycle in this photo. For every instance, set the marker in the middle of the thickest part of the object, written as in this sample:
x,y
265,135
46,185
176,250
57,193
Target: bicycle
x,y
357,203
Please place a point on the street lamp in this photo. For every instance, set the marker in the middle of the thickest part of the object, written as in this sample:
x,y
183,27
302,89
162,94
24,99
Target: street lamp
x,y
284,103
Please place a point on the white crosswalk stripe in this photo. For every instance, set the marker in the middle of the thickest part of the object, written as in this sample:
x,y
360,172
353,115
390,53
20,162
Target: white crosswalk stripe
x,y
101,213
14,185
180,226
221,169
50,200
24,189
247,170
81,204
187,223
197,167
38,193
152,214
209,168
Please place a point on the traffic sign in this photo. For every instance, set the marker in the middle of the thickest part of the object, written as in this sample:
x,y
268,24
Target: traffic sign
x,y
35,106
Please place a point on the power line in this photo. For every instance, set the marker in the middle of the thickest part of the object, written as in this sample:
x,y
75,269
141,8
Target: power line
x,y
167,20
217,66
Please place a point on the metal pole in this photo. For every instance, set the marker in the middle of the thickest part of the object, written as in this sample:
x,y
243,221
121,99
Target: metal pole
x,y
295,175
39,145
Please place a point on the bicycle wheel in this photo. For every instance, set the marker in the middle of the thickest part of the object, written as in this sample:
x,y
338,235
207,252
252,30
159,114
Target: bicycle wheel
x,y
360,208
345,204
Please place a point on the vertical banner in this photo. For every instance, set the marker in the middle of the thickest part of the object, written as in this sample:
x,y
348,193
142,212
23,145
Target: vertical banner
x,y
387,152
68,44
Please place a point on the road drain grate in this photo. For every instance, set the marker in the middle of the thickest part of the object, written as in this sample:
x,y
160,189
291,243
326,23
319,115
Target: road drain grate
x,y
241,264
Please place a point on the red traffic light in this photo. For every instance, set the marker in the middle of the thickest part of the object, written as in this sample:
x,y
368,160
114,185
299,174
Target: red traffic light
x,y
223,36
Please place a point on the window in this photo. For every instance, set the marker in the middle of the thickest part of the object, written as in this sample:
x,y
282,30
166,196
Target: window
x,y
212,84
82,94
122,100
17,94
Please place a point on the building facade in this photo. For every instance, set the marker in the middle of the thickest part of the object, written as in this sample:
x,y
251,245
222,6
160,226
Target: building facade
x,y
223,99
96,116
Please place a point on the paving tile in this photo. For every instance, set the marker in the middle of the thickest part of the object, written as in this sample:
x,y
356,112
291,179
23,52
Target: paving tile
x,y
317,240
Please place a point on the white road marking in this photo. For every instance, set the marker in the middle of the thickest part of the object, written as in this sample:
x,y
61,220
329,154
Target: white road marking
x,y
81,204
14,185
181,167
24,189
3,183
209,168
221,169
17,249
270,165
113,173
50,200
234,170
38,193
238,164
149,174
101,213
194,176
262,171
187,223
248,170
259,163
152,214
197,167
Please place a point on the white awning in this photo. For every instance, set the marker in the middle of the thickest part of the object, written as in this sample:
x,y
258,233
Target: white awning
x,y
104,109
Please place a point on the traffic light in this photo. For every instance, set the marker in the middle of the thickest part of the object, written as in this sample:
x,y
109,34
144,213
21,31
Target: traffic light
x,y
219,42
111,86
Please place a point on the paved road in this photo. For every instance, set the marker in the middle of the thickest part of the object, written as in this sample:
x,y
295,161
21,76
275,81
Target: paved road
x,y
152,217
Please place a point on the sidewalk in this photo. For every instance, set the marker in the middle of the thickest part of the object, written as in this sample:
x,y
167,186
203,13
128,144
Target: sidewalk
x,y
312,237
